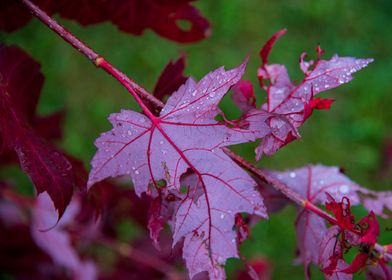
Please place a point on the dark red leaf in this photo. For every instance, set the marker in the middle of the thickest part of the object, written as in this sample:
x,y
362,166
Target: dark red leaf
x,y
358,263
132,16
265,50
49,170
331,260
24,96
14,16
171,78
319,185
243,96
163,17
321,103
370,229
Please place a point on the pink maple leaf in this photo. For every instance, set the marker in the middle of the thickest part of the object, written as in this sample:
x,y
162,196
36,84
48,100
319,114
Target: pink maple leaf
x,y
187,138
313,183
132,16
57,242
289,104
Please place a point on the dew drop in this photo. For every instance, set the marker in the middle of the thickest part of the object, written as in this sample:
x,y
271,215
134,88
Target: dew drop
x,y
222,216
137,172
344,189
133,167
326,86
161,142
129,132
292,175
194,93
233,240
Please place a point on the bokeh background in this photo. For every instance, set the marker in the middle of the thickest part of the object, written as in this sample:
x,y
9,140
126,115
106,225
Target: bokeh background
x,y
354,134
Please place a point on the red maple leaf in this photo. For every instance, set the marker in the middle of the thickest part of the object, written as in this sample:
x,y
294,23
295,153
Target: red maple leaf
x,y
289,104
48,168
186,137
132,16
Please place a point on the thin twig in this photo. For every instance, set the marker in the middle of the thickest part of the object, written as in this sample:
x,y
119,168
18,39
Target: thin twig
x,y
94,57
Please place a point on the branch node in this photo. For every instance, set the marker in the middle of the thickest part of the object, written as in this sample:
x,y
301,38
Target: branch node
x,y
98,61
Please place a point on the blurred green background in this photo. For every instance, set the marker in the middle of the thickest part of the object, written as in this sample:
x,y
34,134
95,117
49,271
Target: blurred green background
x,y
352,134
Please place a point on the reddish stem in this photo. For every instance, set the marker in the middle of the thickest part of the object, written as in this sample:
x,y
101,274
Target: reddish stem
x,y
94,57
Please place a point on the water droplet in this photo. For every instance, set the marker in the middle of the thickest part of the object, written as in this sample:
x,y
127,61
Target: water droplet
x,y
212,94
133,167
233,240
137,172
344,189
292,175
194,93
222,216
326,86
129,132
161,142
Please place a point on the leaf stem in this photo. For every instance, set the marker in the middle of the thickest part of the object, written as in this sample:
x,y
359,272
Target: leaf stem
x,y
280,186
290,194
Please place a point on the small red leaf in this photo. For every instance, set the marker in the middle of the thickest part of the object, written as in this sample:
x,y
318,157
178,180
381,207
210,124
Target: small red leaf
x,y
171,78
132,16
358,263
265,50
289,104
243,96
49,170
321,103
